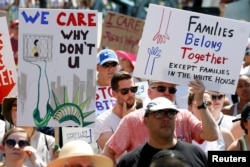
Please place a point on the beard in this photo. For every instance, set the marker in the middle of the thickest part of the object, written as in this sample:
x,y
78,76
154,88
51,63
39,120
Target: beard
x,y
130,103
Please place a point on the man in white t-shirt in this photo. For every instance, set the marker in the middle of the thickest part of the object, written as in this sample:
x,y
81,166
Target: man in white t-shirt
x,y
124,90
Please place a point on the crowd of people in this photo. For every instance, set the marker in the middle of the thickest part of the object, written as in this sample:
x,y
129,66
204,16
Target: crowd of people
x,y
132,133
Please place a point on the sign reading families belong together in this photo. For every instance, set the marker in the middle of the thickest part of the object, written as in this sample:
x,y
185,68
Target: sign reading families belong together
x,y
178,46
57,67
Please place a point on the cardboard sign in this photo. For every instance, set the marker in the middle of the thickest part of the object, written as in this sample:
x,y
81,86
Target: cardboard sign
x,y
8,73
57,67
121,32
178,46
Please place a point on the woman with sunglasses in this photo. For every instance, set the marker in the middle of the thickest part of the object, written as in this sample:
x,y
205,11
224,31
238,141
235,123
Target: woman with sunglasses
x,y
16,147
43,143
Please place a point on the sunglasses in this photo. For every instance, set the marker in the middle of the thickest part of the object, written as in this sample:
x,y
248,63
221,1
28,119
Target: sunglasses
x,y
125,91
109,64
161,89
21,143
171,114
219,97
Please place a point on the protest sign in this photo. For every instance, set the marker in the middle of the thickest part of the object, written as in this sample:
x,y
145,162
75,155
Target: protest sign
x,y
8,73
104,99
178,46
78,133
142,91
121,32
57,62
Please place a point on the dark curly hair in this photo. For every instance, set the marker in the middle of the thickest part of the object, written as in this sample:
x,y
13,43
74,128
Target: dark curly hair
x,y
245,113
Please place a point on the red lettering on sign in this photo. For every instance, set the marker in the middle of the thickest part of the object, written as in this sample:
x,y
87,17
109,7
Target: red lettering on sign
x,y
76,19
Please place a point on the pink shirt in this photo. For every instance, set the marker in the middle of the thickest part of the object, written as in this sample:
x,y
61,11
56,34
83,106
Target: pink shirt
x,y
132,132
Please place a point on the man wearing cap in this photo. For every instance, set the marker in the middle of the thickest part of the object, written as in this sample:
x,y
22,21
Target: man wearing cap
x,y
159,118
132,131
107,66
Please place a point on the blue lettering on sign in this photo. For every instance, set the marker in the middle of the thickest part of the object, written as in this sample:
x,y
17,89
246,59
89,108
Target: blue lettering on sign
x,y
105,104
202,42
34,18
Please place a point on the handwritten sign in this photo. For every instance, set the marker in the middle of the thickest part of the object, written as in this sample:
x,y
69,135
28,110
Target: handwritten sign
x,y
8,73
178,46
78,133
57,67
142,91
121,32
104,99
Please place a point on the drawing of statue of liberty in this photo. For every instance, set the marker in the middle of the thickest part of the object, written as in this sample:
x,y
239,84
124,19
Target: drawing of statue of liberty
x,y
64,110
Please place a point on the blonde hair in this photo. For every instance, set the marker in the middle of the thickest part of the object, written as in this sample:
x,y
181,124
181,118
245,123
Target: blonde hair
x,y
14,130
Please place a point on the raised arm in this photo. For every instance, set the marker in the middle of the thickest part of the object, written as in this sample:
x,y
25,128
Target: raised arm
x,y
209,127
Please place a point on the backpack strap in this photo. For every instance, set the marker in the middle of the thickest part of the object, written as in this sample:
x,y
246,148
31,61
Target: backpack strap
x,y
242,143
46,141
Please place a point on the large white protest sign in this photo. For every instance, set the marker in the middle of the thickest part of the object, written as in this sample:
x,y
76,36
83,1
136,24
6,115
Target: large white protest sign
x,y
57,62
178,46
8,73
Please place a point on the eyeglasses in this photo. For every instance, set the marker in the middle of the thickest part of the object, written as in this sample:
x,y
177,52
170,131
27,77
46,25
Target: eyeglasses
x,y
171,114
109,64
219,97
125,91
161,89
21,143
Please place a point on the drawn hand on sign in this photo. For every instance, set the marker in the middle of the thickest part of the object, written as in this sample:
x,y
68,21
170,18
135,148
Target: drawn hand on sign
x,y
152,55
159,36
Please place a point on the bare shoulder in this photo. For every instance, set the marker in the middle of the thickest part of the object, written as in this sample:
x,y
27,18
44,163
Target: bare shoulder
x,y
226,132
227,137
